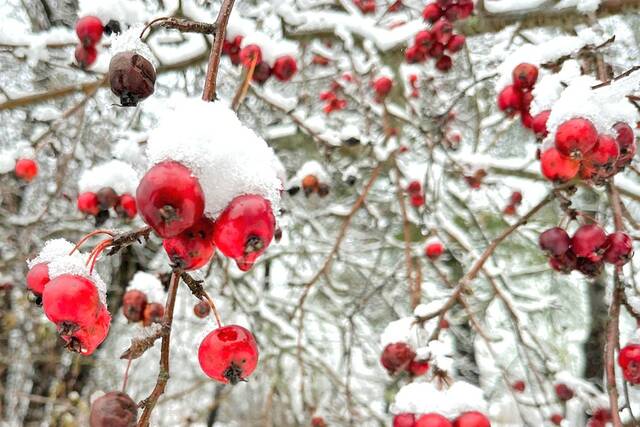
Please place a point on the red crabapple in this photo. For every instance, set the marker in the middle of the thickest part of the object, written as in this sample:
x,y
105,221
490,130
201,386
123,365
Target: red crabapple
x,y
518,386
417,200
193,248
133,305
456,43
85,56
89,30
114,409
605,153
414,187
71,302
132,77
249,54
418,367
37,278
472,419
228,354
244,230
539,125
423,39
284,68
525,76
26,169
556,419
382,86
153,313
170,198
434,250
555,241
431,13
588,242
563,392
558,167
404,420
436,50
509,100
576,137
619,248
442,31
86,339
444,64
629,361
88,203
433,420
127,206
396,357
414,54
318,422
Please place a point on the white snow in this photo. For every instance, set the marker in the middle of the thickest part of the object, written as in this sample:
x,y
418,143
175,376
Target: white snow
x,y
228,158
129,41
148,284
115,174
424,398
123,11
312,167
271,49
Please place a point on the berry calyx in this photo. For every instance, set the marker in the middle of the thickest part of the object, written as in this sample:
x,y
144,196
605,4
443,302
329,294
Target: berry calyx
x,y
555,241
193,248
228,354
433,420
619,248
563,392
37,278
404,420
170,198
588,242
132,77
396,357
85,56
114,409
576,137
245,229
89,30
434,250
525,76
202,309
558,167
133,304
88,203
153,313
472,419
26,169
629,361
284,68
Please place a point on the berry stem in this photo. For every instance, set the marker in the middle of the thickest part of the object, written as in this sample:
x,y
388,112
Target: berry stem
x,y
213,308
209,92
126,375
244,86
88,236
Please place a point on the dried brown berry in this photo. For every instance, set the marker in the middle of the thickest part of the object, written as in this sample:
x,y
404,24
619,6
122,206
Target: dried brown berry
x,y
107,198
132,78
114,409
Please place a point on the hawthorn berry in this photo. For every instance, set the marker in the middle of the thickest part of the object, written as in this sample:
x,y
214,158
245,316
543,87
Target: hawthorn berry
x,y
436,50
414,187
37,278
244,230
404,420
126,206
629,361
85,56
396,357
605,153
576,137
228,354
133,304
434,250
366,6
417,200
433,420
556,419
588,242
431,13
284,68
86,339
558,167
26,169
565,263
88,203
456,43
555,241
114,409
107,198
382,86
71,302
472,419
202,309
526,119
442,31
418,367
261,72
600,417
563,392
153,313
619,248
193,248
525,76
509,100
318,422
249,54
518,386
415,54
539,124
423,39
132,78
444,64
170,198
89,30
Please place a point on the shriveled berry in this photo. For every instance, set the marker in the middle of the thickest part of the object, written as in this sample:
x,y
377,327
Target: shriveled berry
x,y
555,241
193,248
133,304
619,248
565,263
588,242
525,76
518,386
397,357
309,184
132,78
153,313
262,72
472,419
576,137
37,278
558,167
589,268
107,198
284,68
202,309
89,30
26,169
228,354
433,420
88,203
114,409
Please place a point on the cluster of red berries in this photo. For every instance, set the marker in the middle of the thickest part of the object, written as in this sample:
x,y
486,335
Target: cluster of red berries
x,y
466,419
514,201
580,151
587,250
73,304
26,169
416,195
517,97
433,43
89,30
333,102
283,68
136,308
600,418
311,185
400,357
629,361
171,201
382,87
98,204
434,250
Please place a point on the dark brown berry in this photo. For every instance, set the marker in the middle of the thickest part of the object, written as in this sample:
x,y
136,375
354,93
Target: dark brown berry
x,y
114,409
132,78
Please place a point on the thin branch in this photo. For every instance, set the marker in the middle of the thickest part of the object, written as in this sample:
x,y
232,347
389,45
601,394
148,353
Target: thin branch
x,y
209,92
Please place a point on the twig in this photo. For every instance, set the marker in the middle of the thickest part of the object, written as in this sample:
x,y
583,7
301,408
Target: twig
x,y
182,25
209,92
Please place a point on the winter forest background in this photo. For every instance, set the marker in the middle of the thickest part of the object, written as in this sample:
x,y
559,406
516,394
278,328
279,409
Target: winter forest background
x,y
408,195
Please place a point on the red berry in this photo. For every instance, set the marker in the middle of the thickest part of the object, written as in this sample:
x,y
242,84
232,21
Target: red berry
x,y
525,76
71,302
382,86
423,39
565,263
89,30
601,414
563,392
555,242
114,409
518,386
170,198
556,419
127,206
26,169
86,339
526,98
509,100
558,167
516,198
366,6
539,125
526,119
228,354
629,361
433,420
465,8
444,64
589,268
37,278
442,31
434,250
88,203
404,420
472,419
418,367
415,54
85,56
605,153
437,50
202,309
417,200
624,135
619,248
431,13
153,313
396,357
414,187
245,229
249,54
576,137
588,242
456,43
262,72
133,304
193,248
318,422
284,68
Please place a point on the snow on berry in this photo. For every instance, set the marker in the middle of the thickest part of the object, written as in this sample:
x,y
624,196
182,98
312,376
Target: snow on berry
x,y
115,174
270,48
228,158
124,11
149,285
425,397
